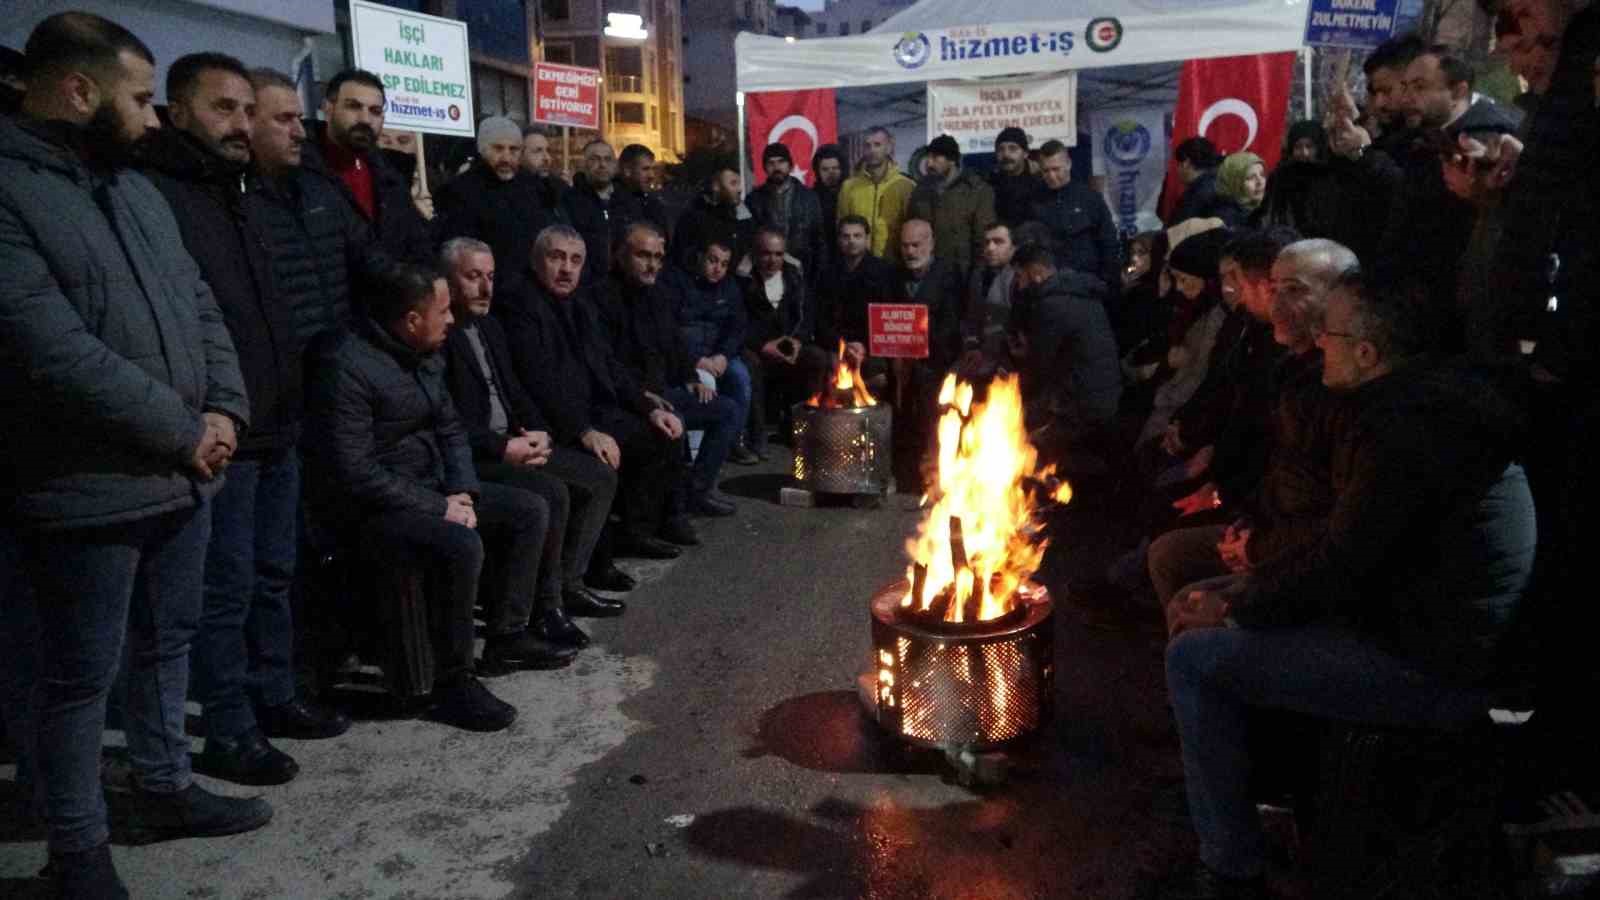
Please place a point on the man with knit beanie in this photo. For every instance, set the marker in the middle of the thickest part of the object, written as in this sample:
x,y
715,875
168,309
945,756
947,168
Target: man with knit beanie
x,y
497,201
1014,186
959,204
788,207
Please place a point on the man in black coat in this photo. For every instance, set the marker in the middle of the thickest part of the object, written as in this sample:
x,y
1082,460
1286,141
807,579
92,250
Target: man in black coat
x,y
788,207
496,201
124,402
780,314
511,444
914,383
1082,230
636,199
1197,169
591,204
717,214
201,165
345,150
644,333
561,354
856,279
389,470
1014,186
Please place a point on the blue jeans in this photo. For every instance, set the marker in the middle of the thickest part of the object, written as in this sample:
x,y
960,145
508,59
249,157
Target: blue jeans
x,y
244,651
735,385
1215,676
19,650
125,595
721,421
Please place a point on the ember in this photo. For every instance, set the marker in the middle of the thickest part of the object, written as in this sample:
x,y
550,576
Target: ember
x,y
980,541
848,389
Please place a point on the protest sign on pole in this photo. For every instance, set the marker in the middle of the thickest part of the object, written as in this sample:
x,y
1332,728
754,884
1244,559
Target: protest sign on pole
x,y
424,64
568,96
897,330
1359,24
975,112
1131,152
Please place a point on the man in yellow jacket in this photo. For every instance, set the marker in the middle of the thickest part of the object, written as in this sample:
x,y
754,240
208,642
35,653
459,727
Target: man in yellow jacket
x,y
878,192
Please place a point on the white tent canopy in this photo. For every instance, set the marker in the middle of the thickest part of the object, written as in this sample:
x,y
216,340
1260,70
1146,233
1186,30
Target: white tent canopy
x,y
1127,50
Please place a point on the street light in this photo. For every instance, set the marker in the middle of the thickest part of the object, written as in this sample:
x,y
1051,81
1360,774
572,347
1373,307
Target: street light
x,y
625,25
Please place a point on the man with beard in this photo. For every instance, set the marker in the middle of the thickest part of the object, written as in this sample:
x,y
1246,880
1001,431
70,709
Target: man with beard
x,y
785,367
828,165
243,653
511,445
924,279
126,404
345,149
1014,186
645,334
636,198
878,192
590,206
959,204
988,299
496,201
717,214
563,356
785,205
1385,69
856,279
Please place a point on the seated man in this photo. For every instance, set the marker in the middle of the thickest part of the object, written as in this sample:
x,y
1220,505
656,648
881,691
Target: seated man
x,y
1061,344
711,324
785,367
646,338
1391,614
390,470
511,445
855,278
563,357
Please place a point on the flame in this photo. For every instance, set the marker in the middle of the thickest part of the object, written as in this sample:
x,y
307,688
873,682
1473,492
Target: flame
x,y
980,541
848,389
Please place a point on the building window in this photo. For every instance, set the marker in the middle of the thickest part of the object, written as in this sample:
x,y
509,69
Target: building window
x,y
844,28
558,53
653,119
866,25
499,94
557,10
627,113
822,28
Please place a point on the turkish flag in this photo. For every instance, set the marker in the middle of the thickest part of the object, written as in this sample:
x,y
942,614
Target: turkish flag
x,y
800,120
1238,102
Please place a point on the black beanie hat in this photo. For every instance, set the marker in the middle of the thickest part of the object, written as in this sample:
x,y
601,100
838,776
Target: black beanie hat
x,y
1200,255
944,145
1012,135
779,150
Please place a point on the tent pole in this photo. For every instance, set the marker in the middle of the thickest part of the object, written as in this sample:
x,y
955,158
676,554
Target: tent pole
x,y
738,101
1306,58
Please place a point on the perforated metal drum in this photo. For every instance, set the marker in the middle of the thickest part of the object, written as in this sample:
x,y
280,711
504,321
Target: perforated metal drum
x,y
843,451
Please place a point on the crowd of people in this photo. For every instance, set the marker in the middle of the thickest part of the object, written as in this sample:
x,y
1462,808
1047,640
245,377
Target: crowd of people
x,y
239,345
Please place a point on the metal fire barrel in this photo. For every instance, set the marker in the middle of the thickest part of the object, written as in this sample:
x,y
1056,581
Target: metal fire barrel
x,y
843,451
979,685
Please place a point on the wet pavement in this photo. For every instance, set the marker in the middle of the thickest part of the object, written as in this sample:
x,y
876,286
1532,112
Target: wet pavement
x,y
711,745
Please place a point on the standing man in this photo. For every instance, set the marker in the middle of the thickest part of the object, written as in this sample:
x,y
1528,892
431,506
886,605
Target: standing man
x,y
1082,230
591,205
829,165
988,298
1014,186
717,214
564,357
107,329
536,157
787,206
496,201
243,655
1198,160
345,149
878,192
636,197
959,204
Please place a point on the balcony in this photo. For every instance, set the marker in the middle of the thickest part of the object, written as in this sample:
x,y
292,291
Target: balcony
x,y
627,84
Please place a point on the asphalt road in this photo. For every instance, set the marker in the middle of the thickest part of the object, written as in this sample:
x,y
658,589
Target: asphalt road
x,y
711,745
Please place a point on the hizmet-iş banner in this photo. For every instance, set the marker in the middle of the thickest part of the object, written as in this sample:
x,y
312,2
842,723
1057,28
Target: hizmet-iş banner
x,y
424,64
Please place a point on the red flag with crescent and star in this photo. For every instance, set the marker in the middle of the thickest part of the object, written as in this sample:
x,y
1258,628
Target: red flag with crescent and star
x,y
1238,103
800,120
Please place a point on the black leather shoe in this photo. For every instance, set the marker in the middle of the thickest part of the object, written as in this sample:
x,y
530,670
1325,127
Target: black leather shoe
x,y
679,531
302,720
1196,882
196,812
523,650
612,579
246,759
85,875
646,548
582,603
467,704
743,456
557,627
709,504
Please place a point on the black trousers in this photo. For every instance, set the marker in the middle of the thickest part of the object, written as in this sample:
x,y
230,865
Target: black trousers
x,y
652,469
776,385
579,489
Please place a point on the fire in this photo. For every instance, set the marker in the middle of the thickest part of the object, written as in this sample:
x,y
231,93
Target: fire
x,y
849,389
980,541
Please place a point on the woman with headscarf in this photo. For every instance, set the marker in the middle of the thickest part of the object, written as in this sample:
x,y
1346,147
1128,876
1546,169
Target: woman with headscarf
x,y
1241,184
1298,193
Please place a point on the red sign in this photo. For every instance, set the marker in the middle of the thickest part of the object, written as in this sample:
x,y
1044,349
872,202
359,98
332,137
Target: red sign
x,y
897,330
566,95
800,120
1238,103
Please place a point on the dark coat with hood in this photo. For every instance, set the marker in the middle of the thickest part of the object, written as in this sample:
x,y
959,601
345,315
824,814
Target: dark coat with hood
x,y
705,220
1071,370
398,226
111,343
798,215
382,435
219,212
506,215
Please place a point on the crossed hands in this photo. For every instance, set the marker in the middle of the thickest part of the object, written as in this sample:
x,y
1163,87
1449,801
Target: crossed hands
x,y
216,446
458,509
530,448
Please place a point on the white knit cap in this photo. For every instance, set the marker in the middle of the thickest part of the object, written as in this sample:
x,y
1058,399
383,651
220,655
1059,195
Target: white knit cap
x,y
497,128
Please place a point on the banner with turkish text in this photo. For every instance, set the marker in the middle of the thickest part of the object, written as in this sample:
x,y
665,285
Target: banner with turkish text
x,y
800,120
1238,103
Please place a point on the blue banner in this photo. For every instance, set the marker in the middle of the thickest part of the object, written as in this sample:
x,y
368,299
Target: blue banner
x,y
1361,24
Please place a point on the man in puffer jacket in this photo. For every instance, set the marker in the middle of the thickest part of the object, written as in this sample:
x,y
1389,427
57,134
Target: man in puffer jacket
x,y
125,402
711,321
878,192
960,204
